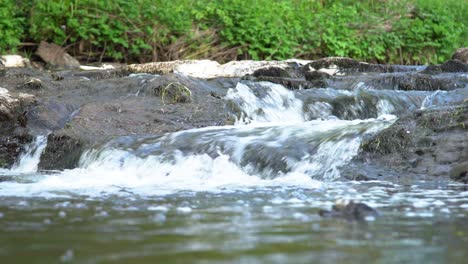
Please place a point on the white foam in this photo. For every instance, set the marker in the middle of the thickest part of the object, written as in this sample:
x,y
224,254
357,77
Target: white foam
x,y
29,160
278,105
152,176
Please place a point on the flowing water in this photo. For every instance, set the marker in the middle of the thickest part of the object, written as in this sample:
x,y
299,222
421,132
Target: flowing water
x,y
247,193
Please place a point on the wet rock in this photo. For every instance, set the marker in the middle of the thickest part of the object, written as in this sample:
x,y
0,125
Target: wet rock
x,y
344,66
460,172
272,72
56,57
13,134
350,210
448,66
428,142
14,61
316,75
62,152
174,92
12,109
91,74
31,84
2,70
415,82
293,84
11,146
48,115
117,107
461,54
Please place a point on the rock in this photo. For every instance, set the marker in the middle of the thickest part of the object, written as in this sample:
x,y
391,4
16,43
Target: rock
x,y
294,84
188,67
454,66
14,61
56,57
460,172
47,116
90,74
431,142
415,81
11,146
350,210
461,54
209,69
62,152
316,75
344,66
272,72
32,84
118,107
13,134
448,66
174,92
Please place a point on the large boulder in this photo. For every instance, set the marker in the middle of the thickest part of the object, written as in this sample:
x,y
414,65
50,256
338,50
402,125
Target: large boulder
x,y
427,142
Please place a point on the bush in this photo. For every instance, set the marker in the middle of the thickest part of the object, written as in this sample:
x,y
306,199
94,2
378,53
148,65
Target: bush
x,y
391,31
11,27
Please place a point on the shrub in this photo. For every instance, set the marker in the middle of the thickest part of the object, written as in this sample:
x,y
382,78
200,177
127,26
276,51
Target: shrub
x,y
11,27
392,31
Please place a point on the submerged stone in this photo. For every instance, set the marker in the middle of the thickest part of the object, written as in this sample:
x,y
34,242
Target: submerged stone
x,y
350,210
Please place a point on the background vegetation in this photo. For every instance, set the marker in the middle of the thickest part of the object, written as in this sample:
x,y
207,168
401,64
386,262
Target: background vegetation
x,y
391,31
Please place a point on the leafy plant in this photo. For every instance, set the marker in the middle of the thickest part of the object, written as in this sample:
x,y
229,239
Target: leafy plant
x,y
11,28
390,31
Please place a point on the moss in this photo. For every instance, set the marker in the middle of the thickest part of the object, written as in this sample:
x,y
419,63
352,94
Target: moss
x,y
174,92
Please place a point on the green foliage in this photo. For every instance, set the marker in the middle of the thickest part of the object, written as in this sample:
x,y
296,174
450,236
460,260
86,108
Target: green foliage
x,y
391,31
119,29
11,28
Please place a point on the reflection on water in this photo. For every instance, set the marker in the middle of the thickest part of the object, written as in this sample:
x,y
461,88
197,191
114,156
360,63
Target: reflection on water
x,y
418,223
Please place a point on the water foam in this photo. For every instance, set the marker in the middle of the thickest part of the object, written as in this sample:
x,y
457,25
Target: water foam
x,y
213,160
29,159
277,105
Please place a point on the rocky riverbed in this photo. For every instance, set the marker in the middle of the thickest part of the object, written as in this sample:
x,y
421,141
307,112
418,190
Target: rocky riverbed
x,y
79,110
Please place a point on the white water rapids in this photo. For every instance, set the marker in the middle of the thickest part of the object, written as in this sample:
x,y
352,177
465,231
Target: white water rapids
x,y
272,144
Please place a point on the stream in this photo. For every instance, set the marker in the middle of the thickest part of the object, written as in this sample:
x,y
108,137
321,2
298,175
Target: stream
x,y
246,193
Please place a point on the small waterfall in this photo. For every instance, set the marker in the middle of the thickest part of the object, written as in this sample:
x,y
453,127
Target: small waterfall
x,y
315,148
267,102
29,159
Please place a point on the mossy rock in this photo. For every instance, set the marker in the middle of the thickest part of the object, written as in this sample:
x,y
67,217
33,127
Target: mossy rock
x,y
174,92
32,84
